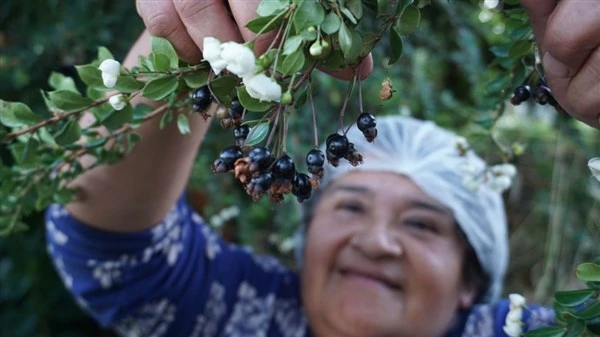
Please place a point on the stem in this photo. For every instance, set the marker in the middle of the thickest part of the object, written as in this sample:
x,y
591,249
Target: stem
x,y
285,131
53,120
341,119
262,30
305,76
285,34
274,127
314,115
360,99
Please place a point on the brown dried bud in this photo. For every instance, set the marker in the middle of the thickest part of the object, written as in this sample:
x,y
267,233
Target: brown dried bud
x,y
386,90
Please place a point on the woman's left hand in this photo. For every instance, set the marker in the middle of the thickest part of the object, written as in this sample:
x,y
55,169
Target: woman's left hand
x,y
568,36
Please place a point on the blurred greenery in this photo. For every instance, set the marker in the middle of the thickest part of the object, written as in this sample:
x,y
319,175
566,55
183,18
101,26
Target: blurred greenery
x,y
443,75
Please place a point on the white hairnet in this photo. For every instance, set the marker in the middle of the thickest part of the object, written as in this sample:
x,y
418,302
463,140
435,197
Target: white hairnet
x,y
429,156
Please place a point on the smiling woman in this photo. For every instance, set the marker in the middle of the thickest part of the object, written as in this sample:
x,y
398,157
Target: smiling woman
x,y
411,243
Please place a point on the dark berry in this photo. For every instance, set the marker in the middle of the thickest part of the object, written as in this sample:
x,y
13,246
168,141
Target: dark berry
x,y
365,121
240,133
236,110
301,187
284,168
260,159
263,182
543,95
353,156
370,134
337,145
520,94
315,159
227,159
201,99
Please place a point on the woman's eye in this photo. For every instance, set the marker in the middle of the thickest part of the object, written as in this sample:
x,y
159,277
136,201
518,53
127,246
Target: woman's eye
x,y
421,225
351,207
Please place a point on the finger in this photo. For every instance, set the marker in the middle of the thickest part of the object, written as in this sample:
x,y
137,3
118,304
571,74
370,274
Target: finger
x,y
366,67
207,18
162,20
572,34
580,95
539,12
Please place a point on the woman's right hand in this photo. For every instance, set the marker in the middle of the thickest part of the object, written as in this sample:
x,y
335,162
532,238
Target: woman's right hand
x,y
185,23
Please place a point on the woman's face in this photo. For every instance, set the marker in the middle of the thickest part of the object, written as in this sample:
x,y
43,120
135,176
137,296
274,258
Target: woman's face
x,y
382,258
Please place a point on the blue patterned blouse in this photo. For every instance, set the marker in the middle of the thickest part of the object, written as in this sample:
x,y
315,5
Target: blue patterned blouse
x,y
179,279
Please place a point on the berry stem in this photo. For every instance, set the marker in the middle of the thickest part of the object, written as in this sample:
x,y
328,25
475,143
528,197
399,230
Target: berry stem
x,y
314,115
285,34
274,127
360,98
348,93
276,38
285,131
262,30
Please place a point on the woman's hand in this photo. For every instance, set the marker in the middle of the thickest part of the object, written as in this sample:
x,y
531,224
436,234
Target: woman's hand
x,y
185,23
568,35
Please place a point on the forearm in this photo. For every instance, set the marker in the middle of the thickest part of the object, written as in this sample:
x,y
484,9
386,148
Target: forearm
x,y
138,191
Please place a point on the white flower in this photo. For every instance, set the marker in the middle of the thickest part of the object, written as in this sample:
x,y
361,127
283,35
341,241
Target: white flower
x,y
240,59
118,102
514,315
508,170
461,144
517,301
499,183
471,183
263,88
594,165
110,72
211,50
512,330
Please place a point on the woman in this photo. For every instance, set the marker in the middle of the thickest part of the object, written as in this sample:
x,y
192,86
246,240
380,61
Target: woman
x,y
397,247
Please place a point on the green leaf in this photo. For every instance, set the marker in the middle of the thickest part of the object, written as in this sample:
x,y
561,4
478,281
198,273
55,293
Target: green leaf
x,y
250,103
383,7
309,13
46,137
396,47
17,114
160,62
591,312
309,35
331,24
91,76
408,22
355,6
270,7
166,118
292,44
160,88
140,111
196,79
350,43
69,101
588,272
59,81
575,328
104,54
402,4
546,332
292,63
116,119
257,134
128,84
347,13
573,298
264,23
520,48
183,124
162,46
69,134
223,87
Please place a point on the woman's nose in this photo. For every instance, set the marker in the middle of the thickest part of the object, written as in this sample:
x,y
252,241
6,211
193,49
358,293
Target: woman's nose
x,y
376,241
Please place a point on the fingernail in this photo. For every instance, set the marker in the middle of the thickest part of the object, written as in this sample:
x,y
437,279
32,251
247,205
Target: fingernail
x,y
554,66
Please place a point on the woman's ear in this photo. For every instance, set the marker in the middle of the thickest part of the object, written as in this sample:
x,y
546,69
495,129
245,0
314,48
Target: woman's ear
x,y
468,293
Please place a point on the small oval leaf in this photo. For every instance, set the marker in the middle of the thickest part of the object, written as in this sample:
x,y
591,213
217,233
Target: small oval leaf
x,y
160,88
257,134
573,298
546,332
250,103
69,133
588,272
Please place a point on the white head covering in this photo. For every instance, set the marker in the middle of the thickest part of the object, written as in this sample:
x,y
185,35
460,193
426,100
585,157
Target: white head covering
x,y
429,156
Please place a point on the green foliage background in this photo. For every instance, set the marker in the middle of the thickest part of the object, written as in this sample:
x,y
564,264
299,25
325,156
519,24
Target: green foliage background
x,y
447,73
